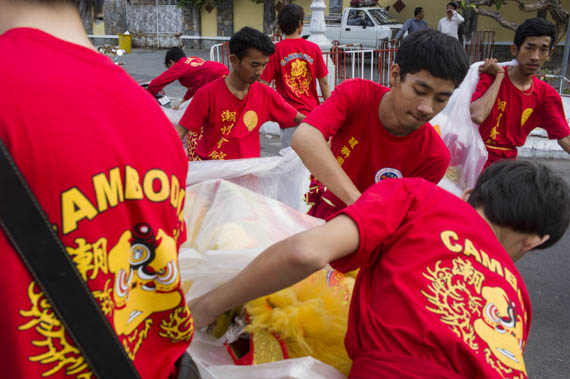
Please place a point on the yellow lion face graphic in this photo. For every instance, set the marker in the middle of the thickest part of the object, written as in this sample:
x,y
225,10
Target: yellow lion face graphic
x,y
299,80
146,274
501,327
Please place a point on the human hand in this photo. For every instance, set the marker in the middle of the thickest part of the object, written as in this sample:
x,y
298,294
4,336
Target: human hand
x,y
491,67
176,107
200,313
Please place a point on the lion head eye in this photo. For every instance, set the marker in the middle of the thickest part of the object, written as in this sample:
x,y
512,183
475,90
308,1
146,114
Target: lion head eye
x,y
140,254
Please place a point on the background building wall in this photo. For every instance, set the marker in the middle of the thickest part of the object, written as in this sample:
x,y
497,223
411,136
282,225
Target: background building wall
x,y
209,24
248,13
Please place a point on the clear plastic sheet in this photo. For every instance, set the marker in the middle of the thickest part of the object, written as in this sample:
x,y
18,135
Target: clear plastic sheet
x,y
214,362
282,178
228,226
461,135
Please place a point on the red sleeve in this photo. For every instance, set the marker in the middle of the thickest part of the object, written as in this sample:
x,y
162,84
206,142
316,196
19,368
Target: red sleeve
x,y
321,69
331,115
485,81
551,115
272,67
378,213
280,111
173,73
197,112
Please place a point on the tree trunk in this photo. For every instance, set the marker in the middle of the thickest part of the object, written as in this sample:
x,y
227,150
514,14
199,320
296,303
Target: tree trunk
x,y
268,16
115,16
191,22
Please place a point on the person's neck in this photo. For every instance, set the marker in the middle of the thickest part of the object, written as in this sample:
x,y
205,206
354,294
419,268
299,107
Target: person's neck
x,y
388,118
418,19
520,79
237,87
295,34
60,20
509,240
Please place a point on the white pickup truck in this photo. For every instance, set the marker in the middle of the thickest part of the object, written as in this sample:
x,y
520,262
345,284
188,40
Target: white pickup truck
x,y
366,26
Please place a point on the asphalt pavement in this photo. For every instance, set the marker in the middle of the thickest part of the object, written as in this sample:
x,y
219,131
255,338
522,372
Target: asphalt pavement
x,y
546,272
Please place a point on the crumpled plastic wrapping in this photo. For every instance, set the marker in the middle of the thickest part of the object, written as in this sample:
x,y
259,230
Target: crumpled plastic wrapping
x,y
174,115
282,177
214,362
461,135
228,226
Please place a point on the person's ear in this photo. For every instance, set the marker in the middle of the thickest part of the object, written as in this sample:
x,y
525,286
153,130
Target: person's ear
x,y
533,240
234,60
394,75
466,194
514,50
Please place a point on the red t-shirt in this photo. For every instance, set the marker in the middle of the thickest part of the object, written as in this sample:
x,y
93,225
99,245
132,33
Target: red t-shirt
x,y
192,72
229,127
516,113
296,65
107,168
434,285
363,147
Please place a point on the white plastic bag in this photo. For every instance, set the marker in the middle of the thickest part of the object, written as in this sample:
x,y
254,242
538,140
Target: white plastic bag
x,y
282,178
214,362
174,115
221,215
228,226
270,127
461,135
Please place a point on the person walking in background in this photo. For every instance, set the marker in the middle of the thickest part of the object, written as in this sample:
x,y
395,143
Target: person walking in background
x,y
296,66
413,24
224,117
450,23
191,72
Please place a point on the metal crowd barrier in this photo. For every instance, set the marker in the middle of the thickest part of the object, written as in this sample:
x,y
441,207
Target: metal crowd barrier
x,y
350,61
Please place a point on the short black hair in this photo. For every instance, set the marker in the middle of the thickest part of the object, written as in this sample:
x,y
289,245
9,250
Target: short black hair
x,y
439,54
174,54
418,10
524,196
535,27
453,4
289,18
249,38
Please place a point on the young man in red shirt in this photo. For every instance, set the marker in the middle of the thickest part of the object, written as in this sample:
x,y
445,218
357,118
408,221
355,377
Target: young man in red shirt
x,y
296,66
377,133
224,117
438,294
509,103
108,170
192,72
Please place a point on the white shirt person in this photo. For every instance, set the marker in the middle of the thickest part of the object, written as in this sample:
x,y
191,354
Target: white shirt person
x,y
450,23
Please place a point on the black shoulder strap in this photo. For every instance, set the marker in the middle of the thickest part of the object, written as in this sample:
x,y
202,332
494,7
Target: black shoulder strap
x,y
28,229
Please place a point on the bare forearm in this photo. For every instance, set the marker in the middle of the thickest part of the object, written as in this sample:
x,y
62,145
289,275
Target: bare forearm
x,y
299,117
325,88
271,271
315,153
280,266
481,107
181,131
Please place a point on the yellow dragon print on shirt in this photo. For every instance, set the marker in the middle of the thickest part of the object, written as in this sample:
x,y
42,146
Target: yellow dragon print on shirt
x,y
299,79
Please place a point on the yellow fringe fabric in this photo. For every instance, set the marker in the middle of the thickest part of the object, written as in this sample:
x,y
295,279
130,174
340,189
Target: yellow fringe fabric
x,y
311,317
